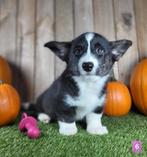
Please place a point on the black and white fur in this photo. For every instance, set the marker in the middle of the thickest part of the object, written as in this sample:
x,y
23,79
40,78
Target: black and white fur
x,y
79,93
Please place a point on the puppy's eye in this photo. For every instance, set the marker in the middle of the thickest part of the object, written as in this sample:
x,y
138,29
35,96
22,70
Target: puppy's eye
x,y
78,50
100,50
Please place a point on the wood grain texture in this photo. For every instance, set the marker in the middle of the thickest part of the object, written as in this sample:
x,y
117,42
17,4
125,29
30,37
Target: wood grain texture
x,y
44,69
126,29
8,40
26,43
25,25
141,24
63,28
8,29
83,16
104,22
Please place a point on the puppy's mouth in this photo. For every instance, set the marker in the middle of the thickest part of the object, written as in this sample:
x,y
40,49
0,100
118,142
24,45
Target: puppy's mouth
x,y
88,73
99,72
93,72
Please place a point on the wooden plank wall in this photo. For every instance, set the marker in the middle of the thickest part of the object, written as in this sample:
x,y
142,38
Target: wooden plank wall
x,y
44,65
25,25
64,28
26,43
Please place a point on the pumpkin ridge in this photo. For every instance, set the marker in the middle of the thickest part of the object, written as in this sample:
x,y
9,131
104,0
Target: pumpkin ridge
x,y
138,86
121,89
138,81
111,103
118,99
142,90
3,110
11,102
13,111
3,93
9,96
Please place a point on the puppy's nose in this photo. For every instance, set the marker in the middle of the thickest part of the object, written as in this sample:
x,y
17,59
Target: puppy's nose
x,y
87,66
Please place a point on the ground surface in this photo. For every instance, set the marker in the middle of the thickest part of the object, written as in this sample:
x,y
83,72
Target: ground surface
x,y
122,131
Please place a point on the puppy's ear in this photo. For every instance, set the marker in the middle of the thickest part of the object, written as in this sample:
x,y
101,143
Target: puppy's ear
x,y
119,47
61,49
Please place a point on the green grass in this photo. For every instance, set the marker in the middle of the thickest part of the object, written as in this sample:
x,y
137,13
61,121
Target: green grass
x,y
122,131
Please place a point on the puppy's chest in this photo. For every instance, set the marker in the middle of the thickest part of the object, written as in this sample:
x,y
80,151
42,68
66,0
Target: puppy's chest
x,y
88,95
88,98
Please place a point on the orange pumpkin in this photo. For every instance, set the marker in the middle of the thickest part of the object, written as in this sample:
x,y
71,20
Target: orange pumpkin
x,y
5,71
138,86
118,99
9,104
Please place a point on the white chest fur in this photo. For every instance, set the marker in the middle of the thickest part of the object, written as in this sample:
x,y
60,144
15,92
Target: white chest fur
x,y
90,88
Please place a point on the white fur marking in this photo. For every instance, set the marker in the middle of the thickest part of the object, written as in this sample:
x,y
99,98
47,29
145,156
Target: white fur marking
x,y
88,57
89,90
89,37
67,128
44,118
115,52
94,125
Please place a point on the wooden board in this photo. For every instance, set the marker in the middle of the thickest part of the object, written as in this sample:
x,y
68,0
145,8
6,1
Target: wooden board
x,y
125,29
83,16
104,22
8,42
8,29
25,25
26,43
63,28
141,24
44,66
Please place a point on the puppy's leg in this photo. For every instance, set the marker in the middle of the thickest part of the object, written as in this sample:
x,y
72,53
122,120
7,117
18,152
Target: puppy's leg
x,y
94,125
67,128
44,118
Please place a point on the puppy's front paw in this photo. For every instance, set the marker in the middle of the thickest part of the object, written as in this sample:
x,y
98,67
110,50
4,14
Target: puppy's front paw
x,y
97,130
68,131
67,128
44,118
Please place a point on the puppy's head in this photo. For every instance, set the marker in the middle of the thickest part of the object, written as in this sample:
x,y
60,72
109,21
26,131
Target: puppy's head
x,y
90,53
